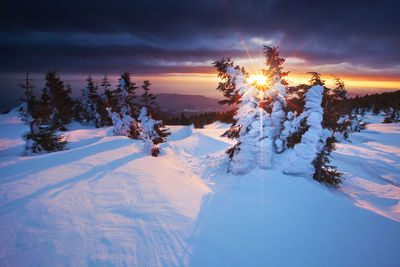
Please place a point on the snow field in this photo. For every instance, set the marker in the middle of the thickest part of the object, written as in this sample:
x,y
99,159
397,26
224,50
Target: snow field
x,y
104,202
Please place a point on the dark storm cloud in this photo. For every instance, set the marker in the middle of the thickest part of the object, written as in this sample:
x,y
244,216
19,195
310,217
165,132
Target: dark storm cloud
x,y
158,36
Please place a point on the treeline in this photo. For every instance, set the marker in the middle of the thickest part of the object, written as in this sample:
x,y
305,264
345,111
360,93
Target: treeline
x,y
202,119
387,103
54,109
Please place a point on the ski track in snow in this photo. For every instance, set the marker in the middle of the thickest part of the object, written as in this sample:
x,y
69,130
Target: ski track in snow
x,y
105,203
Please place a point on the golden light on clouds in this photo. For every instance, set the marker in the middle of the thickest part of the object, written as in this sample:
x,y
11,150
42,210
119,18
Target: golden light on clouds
x,y
359,83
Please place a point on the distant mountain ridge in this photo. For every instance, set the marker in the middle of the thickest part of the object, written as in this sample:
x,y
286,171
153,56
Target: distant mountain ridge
x,y
176,103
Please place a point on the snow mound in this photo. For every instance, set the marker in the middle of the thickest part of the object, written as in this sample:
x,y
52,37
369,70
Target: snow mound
x,y
182,133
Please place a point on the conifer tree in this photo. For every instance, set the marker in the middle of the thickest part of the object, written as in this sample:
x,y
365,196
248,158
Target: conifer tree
x,y
274,102
123,113
249,122
314,131
391,115
152,132
108,97
227,87
60,103
125,96
93,109
304,154
274,64
148,100
28,100
105,83
124,124
42,136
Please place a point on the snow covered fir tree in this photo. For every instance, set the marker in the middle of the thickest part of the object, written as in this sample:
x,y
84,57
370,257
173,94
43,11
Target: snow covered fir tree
x,y
126,120
91,110
270,118
122,109
152,132
43,126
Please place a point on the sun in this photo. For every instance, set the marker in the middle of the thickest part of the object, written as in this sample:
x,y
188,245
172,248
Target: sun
x,y
259,80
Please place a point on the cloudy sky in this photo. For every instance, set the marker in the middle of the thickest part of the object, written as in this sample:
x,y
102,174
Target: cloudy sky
x,y
173,43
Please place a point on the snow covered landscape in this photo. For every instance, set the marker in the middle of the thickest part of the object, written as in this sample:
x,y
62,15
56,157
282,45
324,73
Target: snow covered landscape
x,y
200,133
103,202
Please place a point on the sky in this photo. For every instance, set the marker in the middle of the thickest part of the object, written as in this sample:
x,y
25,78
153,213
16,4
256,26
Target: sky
x,y
173,43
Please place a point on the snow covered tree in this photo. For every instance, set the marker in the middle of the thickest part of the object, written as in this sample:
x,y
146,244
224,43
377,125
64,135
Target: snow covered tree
x,y
314,139
259,112
313,132
123,111
108,97
306,119
249,128
125,95
274,101
391,115
148,100
227,88
42,138
124,124
92,109
88,103
274,65
152,132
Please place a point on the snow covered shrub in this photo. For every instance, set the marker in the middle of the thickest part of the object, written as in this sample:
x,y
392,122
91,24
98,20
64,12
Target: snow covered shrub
x,y
42,139
357,123
152,132
391,115
88,111
124,124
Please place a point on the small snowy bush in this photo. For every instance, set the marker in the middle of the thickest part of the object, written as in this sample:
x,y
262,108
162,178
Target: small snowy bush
x,y
152,132
124,124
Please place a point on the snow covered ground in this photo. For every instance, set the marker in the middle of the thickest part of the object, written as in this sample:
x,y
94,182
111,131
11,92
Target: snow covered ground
x,y
105,203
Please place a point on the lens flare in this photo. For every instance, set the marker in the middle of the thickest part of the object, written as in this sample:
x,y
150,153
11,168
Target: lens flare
x,y
258,80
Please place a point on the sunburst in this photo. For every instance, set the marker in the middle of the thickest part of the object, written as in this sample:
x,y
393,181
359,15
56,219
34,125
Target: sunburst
x,y
258,80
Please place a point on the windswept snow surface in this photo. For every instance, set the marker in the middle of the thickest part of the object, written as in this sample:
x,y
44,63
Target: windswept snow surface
x,y
105,203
